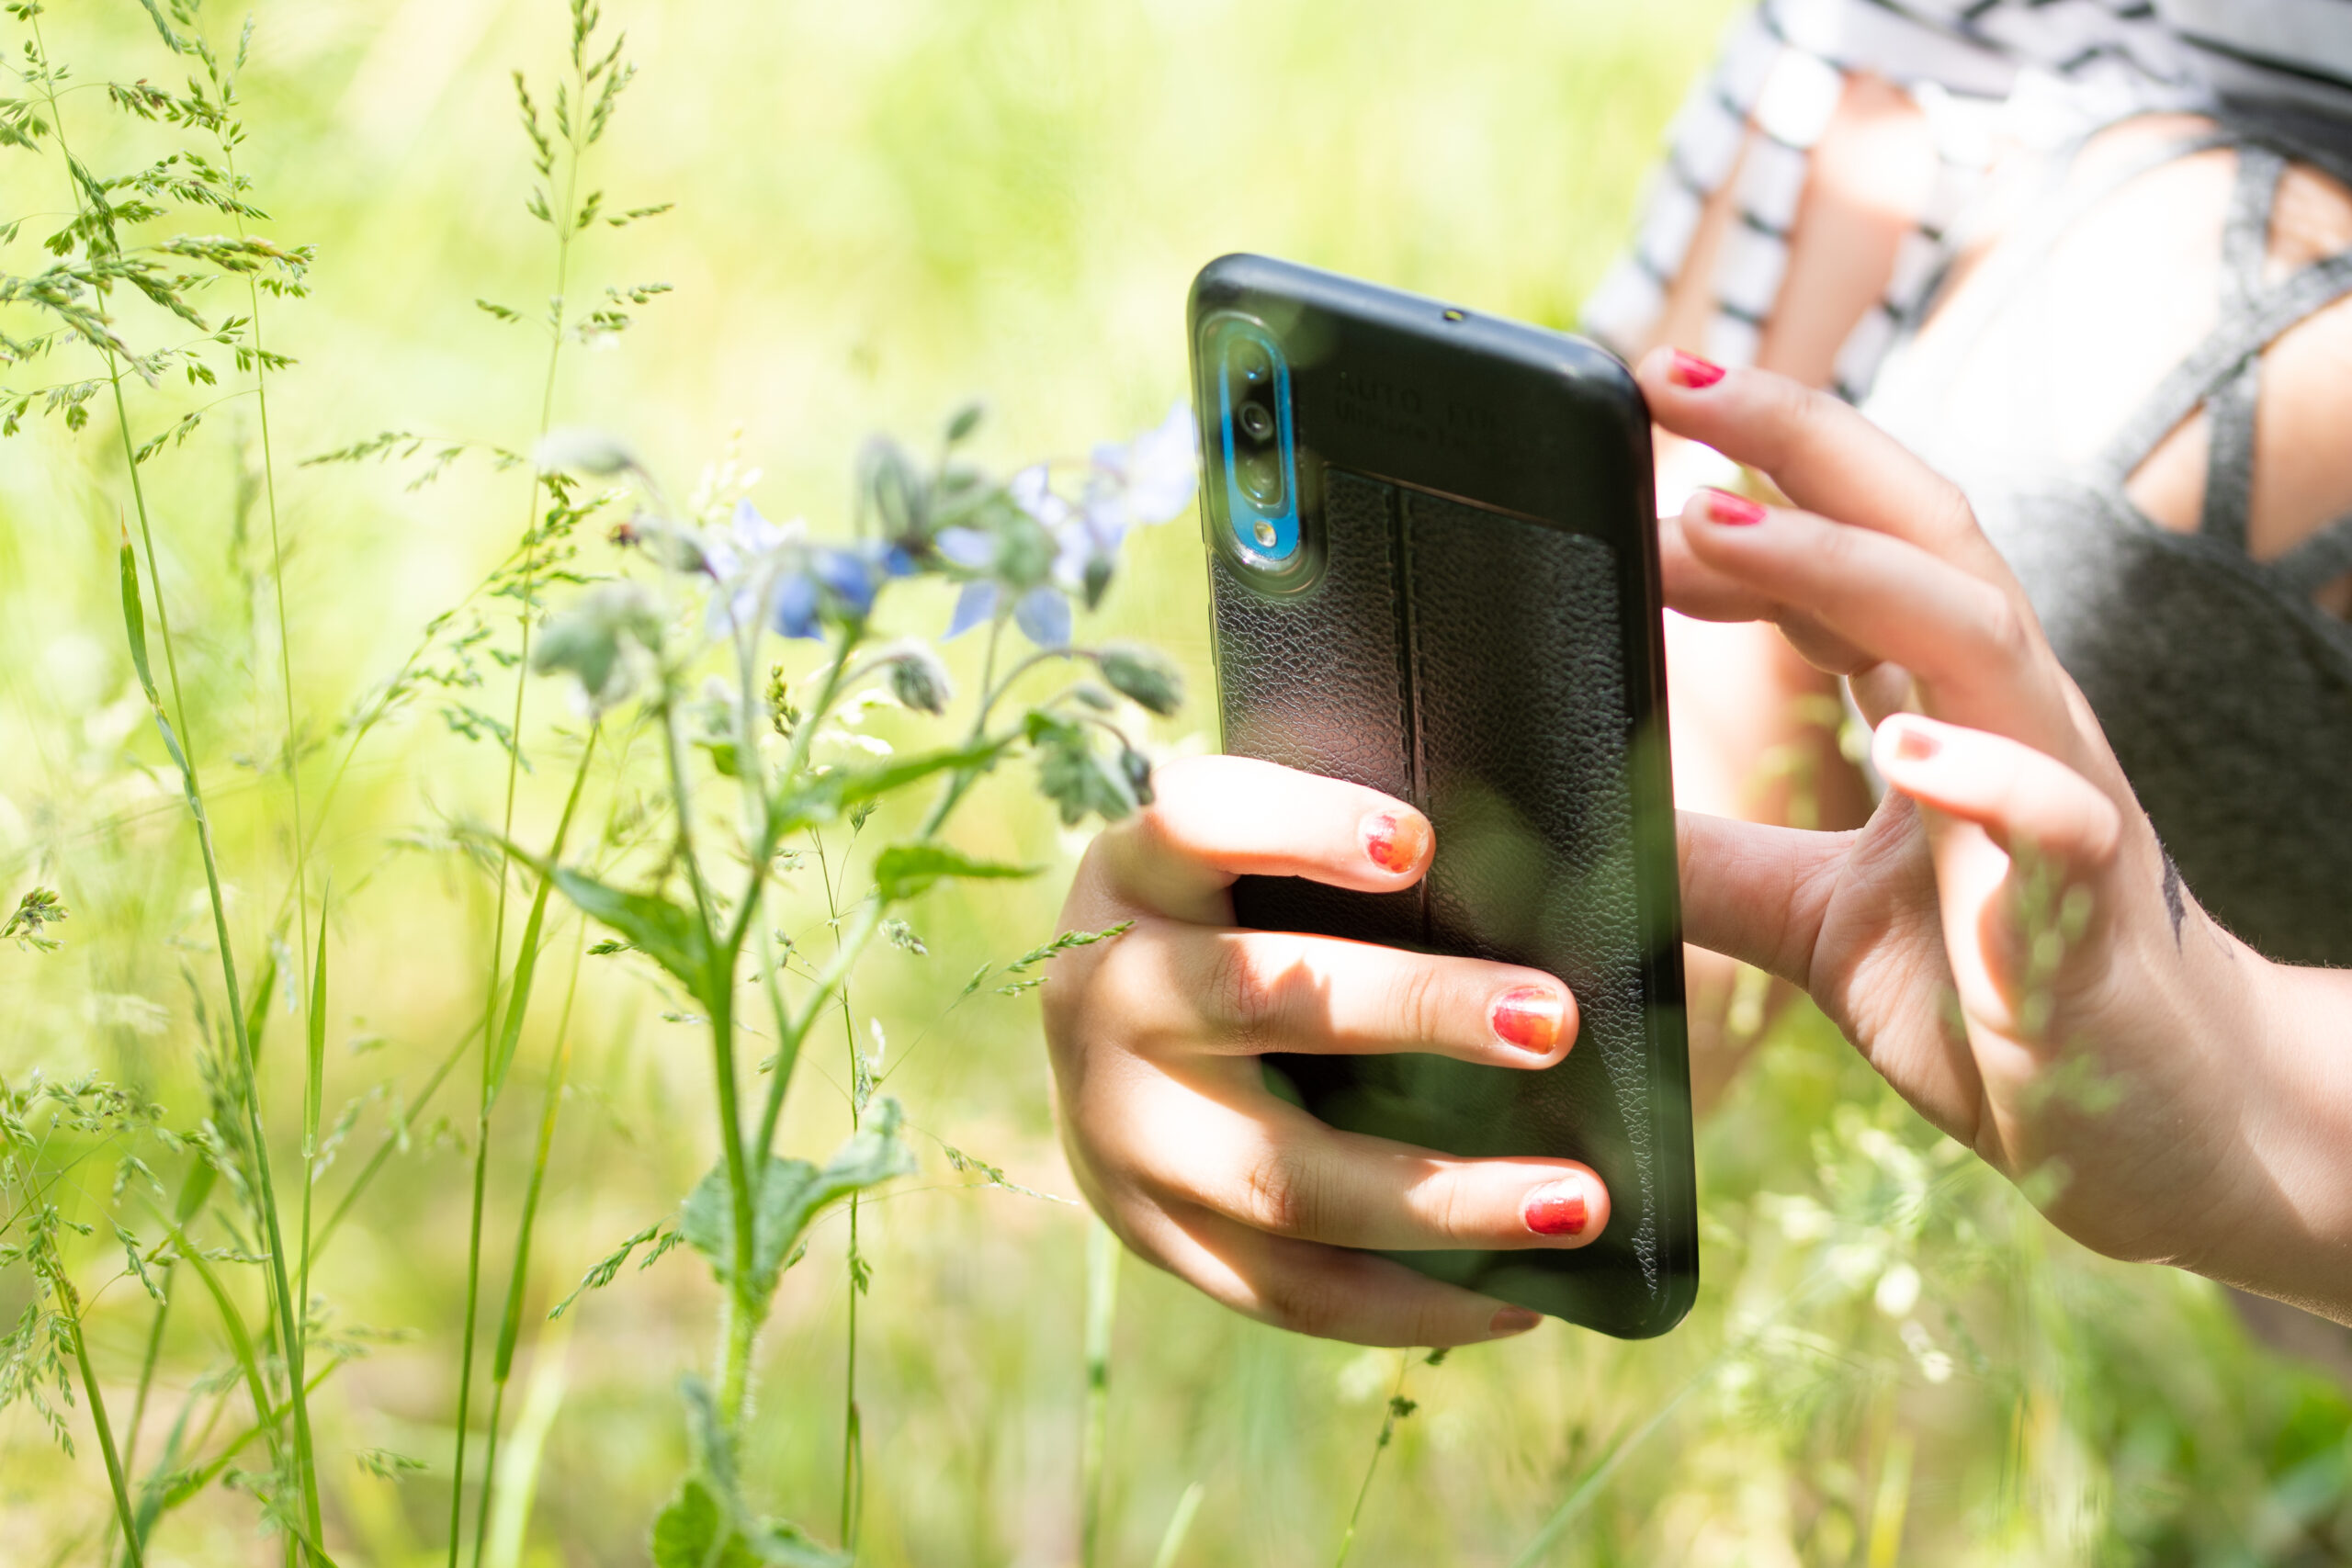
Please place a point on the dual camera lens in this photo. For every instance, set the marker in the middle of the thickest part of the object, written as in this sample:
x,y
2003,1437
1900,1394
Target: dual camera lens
x,y
1255,443
1254,420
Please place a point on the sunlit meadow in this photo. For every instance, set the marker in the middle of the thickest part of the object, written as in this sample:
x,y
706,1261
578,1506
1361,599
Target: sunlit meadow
x,y
391,471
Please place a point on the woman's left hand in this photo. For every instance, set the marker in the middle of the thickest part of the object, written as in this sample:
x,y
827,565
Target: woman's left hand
x,y
2005,940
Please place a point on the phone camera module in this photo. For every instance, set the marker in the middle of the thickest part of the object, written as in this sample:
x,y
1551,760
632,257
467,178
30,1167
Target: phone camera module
x,y
1254,448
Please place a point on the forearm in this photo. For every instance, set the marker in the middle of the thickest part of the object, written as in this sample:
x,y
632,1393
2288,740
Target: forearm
x,y
2295,1242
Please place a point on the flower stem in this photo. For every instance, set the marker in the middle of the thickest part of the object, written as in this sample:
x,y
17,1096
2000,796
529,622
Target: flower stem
x,y
1371,1467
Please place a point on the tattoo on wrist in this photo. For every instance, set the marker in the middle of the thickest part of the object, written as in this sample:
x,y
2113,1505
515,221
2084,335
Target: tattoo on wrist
x,y
2175,905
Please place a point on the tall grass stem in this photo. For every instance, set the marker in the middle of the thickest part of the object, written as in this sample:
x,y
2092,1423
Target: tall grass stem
x,y
265,1195
1102,1319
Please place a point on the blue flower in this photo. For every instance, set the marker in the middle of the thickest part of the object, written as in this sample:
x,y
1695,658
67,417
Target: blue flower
x,y
752,559
847,575
974,607
792,605
1151,479
1043,615
1148,481
968,548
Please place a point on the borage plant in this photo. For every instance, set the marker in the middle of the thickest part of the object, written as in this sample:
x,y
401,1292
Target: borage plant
x,y
686,633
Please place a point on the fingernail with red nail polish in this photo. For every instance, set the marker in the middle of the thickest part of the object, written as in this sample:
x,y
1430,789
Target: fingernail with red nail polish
x,y
1915,745
1556,1208
1529,1017
1736,510
1395,840
1513,1320
1689,371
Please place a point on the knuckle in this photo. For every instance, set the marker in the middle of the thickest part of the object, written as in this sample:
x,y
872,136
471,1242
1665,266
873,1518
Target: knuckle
x,y
1303,1305
1836,550
1947,512
1282,1195
1438,1324
1418,1001
2005,630
1245,997
1148,836
1450,1210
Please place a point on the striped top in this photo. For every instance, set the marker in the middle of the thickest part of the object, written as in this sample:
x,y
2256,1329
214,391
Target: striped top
x,y
2038,71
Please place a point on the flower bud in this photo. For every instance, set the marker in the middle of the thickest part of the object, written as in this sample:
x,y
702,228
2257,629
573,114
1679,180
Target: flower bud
x,y
1143,673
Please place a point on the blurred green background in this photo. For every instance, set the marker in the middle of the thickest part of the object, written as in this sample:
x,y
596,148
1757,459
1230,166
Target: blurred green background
x,y
882,209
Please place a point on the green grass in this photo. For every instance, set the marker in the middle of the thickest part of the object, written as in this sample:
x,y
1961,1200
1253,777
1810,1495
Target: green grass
x,y
882,209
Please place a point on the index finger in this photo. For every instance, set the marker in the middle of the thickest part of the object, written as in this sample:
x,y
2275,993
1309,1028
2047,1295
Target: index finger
x,y
1216,818
1822,453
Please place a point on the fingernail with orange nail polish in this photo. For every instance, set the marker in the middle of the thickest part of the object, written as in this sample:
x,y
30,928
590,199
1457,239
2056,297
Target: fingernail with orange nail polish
x,y
1689,371
1395,840
1735,510
1529,1017
1556,1208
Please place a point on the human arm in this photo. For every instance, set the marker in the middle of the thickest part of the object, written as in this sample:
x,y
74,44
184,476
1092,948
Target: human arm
x,y
2005,940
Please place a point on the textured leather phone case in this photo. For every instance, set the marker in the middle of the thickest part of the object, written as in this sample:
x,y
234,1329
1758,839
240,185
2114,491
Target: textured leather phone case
x,y
1498,669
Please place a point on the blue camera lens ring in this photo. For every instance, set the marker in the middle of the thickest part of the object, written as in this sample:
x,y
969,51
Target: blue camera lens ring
x,y
1265,536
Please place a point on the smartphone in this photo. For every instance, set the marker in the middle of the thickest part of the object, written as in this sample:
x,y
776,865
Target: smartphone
x,y
1433,562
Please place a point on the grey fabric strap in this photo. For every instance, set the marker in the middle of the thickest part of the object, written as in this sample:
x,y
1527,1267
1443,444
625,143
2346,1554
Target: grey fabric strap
x,y
2229,411
2219,357
2317,562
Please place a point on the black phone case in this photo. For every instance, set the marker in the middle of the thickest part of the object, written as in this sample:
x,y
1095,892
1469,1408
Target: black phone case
x,y
1478,634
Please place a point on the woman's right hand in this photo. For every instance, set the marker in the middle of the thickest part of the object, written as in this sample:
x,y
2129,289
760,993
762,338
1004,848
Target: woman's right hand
x,y
1165,1112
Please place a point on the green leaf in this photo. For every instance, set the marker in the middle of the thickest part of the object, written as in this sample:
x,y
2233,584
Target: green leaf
x,y
135,620
813,800
694,1532
526,961
903,871
315,1060
705,1524
1073,775
590,638
670,936
135,627
783,1544
792,1195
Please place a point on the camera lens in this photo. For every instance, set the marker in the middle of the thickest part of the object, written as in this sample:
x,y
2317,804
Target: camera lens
x,y
1255,422
1260,475
1252,364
